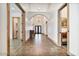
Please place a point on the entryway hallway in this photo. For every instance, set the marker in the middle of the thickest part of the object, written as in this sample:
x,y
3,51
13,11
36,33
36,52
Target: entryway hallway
x,y
41,45
39,29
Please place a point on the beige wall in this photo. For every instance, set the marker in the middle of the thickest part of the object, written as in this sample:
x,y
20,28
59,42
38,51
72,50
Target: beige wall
x,y
15,44
3,29
74,29
64,12
0,29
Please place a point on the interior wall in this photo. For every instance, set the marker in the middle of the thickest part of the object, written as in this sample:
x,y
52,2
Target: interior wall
x,y
53,27
15,43
74,29
3,29
0,30
64,12
53,23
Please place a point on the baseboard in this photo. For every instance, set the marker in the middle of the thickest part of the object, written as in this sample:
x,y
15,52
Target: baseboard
x,y
52,40
70,54
45,34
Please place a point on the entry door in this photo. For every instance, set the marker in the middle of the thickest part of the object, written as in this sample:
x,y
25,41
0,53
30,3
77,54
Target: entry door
x,y
15,27
38,29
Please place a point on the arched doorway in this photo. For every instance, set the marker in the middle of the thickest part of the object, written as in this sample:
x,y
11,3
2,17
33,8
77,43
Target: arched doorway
x,y
39,23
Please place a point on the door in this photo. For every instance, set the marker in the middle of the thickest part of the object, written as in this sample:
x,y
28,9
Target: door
x,y
15,27
38,29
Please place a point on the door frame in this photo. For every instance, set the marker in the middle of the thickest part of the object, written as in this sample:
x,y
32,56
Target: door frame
x,y
63,6
13,25
8,24
38,29
46,28
8,29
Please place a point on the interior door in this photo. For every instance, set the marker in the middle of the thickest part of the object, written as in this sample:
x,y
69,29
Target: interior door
x,y
38,29
15,27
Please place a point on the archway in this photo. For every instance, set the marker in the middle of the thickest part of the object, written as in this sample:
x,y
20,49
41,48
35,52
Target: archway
x,y
39,20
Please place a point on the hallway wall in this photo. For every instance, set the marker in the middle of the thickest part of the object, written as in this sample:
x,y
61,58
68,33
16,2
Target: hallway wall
x,y
3,29
53,23
74,29
15,43
0,29
53,27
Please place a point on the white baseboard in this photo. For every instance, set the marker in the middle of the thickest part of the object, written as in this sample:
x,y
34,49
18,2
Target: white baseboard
x,y
70,54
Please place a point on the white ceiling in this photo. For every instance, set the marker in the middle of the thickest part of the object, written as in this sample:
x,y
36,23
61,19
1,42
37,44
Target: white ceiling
x,y
40,7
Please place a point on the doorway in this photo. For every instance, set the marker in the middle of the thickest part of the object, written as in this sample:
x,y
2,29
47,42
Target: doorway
x,y
15,27
63,26
38,29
